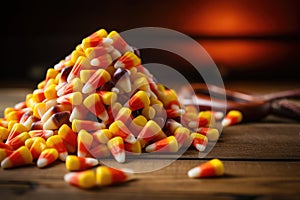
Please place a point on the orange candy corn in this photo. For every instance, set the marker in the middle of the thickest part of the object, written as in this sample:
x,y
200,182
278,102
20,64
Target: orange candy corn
x,y
69,137
211,168
74,163
118,128
47,157
109,176
19,140
98,79
84,179
16,130
212,134
78,125
102,61
128,61
116,147
19,157
232,117
134,148
199,141
56,142
150,132
139,100
38,145
168,144
84,141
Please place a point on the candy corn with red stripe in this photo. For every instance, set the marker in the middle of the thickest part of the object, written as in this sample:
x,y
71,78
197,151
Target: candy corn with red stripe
x,y
19,140
95,41
16,130
38,145
4,153
74,86
81,63
56,142
19,157
106,176
232,117
84,141
99,78
117,149
118,128
47,157
69,137
199,141
118,42
182,136
210,168
87,125
128,61
98,34
150,132
84,179
102,61
139,100
75,163
212,134
74,98
94,104
168,144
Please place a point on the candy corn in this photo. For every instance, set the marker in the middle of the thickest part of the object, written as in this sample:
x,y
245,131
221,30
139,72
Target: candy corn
x,y
85,179
199,141
118,128
69,137
19,157
56,142
139,100
108,176
74,163
38,145
98,79
94,104
47,157
168,144
211,168
232,117
116,147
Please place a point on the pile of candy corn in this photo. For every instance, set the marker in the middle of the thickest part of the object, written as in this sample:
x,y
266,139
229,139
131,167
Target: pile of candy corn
x,y
98,102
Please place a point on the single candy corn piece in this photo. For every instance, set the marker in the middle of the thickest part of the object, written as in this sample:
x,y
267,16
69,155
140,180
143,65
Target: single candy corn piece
x,y
118,42
50,92
106,176
4,153
151,131
38,95
93,52
87,125
212,134
206,119
94,104
102,61
200,141
56,120
128,60
139,100
117,149
74,98
19,140
84,141
211,168
99,78
232,117
69,137
74,163
51,73
16,130
99,34
38,145
81,63
56,142
95,41
85,179
168,144
134,148
118,128
47,157
124,115
19,157
103,135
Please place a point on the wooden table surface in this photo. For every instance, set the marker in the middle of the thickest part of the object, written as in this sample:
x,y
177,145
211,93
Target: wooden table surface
x,y
261,159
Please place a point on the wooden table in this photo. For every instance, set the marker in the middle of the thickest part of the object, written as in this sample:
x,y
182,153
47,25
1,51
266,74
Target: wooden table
x,y
261,159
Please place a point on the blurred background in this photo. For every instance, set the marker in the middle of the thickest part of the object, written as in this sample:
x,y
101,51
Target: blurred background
x,y
248,40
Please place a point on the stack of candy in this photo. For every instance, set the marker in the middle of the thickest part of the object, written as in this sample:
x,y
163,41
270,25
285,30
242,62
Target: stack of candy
x,y
100,102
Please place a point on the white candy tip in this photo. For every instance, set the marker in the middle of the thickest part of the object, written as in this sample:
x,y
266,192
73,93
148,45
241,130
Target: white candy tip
x,y
119,64
226,122
120,157
195,172
94,62
42,162
200,147
130,139
92,161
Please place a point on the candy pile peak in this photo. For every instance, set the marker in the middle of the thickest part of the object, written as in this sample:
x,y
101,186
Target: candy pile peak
x,y
99,102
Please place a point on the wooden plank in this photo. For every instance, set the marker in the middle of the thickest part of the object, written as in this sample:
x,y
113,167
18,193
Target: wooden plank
x,y
243,179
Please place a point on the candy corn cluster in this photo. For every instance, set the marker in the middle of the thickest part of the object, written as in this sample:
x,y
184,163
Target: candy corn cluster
x,y
99,102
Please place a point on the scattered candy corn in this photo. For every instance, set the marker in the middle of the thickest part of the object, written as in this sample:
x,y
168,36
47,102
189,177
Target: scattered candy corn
x,y
211,168
74,163
108,176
